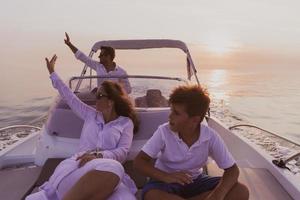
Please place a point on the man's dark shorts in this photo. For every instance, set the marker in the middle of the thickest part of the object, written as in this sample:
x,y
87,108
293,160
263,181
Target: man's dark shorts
x,y
202,183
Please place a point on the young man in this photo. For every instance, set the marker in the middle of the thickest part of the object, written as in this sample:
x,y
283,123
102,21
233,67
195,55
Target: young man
x,y
106,65
182,147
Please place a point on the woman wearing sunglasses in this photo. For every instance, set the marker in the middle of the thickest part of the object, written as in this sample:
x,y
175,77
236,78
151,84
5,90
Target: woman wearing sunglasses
x,y
95,172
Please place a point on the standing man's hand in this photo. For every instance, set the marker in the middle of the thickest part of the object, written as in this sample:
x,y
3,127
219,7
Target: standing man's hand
x,y
51,63
69,44
67,40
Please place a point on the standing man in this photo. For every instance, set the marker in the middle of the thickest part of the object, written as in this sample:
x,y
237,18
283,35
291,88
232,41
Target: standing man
x,y
106,65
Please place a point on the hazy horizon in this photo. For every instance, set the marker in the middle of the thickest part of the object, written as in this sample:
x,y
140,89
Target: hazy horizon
x,y
229,34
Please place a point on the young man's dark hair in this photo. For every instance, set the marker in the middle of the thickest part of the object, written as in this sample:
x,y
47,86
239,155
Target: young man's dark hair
x,y
194,98
109,51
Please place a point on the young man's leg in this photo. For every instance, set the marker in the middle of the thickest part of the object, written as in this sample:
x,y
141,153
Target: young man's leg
x,y
88,186
159,191
198,188
238,191
160,195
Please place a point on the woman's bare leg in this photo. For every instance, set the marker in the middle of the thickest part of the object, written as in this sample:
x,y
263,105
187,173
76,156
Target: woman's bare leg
x,y
94,185
122,192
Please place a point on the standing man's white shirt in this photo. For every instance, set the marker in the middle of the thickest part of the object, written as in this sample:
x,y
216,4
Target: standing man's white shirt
x,y
100,69
174,155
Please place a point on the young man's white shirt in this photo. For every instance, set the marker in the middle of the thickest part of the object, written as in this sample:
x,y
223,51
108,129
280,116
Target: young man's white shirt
x,y
174,155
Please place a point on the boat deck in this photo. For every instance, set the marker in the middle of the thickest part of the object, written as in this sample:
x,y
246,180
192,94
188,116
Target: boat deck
x,y
15,182
260,182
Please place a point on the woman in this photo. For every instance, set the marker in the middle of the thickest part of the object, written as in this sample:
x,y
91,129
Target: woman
x,y
95,172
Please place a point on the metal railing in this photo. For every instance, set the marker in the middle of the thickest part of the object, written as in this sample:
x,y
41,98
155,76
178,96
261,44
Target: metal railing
x,y
123,77
274,134
279,162
20,126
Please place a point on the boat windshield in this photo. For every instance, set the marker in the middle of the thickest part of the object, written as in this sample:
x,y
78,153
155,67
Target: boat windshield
x,y
146,91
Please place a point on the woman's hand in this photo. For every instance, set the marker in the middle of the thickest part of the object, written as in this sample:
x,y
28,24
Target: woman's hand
x,y
51,64
86,158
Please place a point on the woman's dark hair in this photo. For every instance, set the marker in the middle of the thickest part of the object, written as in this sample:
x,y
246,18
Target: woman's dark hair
x,y
194,98
122,103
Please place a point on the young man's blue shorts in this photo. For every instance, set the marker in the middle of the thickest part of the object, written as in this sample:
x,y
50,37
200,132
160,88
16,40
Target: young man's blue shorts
x,y
202,183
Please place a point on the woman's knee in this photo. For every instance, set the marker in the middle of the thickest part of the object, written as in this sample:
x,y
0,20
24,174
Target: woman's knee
x,y
109,165
94,185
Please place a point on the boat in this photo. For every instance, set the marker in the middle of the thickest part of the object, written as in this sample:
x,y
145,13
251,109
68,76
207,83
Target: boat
x,y
30,160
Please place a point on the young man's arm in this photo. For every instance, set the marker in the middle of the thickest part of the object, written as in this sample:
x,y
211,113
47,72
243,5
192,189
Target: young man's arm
x,y
224,159
228,180
144,164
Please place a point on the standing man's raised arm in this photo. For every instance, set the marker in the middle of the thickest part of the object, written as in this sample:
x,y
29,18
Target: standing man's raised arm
x,y
81,56
69,44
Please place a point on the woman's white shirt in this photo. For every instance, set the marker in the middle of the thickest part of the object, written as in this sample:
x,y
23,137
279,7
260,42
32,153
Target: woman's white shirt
x,y
113,138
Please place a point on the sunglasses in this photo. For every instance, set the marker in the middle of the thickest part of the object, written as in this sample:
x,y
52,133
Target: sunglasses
x,y
100,95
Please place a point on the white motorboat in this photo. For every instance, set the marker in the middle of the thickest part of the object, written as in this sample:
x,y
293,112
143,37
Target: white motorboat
x,y
33,153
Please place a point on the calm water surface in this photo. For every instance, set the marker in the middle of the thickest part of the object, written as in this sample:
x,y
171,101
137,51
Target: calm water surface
x,y
267,98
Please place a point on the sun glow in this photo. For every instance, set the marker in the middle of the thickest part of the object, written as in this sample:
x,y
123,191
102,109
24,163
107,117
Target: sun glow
x,y
219,44
218,49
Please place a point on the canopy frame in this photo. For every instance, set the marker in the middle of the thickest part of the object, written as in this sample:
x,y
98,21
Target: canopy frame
x,y
144,44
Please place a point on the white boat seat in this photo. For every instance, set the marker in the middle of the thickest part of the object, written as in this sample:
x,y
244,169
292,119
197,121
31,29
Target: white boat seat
x,y
64,123
260,182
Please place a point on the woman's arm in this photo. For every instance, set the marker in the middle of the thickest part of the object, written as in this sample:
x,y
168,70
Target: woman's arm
x,y
121,151
77,106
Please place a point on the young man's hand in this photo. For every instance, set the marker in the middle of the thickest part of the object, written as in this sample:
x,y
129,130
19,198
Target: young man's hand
x,y
178,177
51,64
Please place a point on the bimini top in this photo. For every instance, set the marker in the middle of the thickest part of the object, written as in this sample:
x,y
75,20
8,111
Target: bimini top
x,y
150,44
141,44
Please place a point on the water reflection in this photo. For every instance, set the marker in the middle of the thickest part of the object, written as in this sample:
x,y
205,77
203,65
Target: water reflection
x,y
215,81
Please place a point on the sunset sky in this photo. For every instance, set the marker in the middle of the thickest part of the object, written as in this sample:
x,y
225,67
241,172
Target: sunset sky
x,y
221,34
